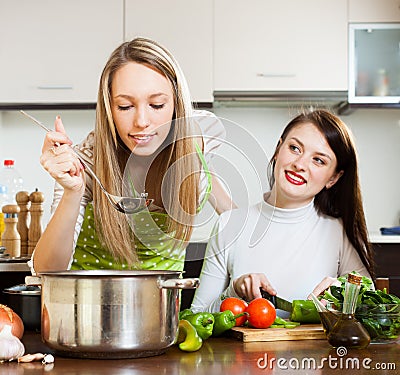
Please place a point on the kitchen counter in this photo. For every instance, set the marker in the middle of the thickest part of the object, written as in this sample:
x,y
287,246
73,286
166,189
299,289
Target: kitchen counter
x,y
377,237
19,264
14,267
223,356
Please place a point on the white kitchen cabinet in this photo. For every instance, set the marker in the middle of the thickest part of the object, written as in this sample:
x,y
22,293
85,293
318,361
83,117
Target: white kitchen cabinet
x,y
185,28
54,51
281,45
374,10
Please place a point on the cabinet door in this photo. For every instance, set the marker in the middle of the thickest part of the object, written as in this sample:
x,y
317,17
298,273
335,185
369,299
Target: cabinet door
x,y
280,45
374,64
374,10
54,51
184,27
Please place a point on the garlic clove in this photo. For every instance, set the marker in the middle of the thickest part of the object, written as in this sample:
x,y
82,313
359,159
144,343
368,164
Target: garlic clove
x,y
31,357
48,358
10,346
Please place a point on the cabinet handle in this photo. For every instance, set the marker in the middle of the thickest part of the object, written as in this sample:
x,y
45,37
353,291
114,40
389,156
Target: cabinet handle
x,y
276,75
55,87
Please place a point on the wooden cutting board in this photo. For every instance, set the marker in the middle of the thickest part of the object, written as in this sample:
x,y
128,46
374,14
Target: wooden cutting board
x,y
302,332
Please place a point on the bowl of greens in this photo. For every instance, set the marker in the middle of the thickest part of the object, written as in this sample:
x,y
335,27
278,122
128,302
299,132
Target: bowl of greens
x,y
377,310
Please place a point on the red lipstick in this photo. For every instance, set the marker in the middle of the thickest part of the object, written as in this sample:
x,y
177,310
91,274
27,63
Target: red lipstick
x,y
294,178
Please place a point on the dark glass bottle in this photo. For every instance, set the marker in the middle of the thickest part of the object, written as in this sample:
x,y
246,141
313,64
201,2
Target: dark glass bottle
x,y
348,331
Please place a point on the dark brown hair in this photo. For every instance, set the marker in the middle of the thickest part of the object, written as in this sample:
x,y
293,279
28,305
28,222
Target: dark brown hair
x,y
343,200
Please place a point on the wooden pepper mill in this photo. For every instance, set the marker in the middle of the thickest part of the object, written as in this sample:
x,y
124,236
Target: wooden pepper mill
x,y
22,198
11,239
35,228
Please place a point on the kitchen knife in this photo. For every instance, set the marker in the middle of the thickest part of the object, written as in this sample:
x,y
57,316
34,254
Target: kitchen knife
x,y
278,302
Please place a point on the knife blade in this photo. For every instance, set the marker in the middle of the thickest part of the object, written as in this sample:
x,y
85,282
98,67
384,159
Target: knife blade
x,y
278,302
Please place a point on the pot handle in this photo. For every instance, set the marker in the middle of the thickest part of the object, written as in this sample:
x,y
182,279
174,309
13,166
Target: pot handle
x,y
33,280
166,284
179,283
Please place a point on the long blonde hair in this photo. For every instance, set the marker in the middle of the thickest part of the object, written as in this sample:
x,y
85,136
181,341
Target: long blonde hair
x,y
111,156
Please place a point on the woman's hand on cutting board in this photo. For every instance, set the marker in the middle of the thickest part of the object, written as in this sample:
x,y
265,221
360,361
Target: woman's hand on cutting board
x,y
248,286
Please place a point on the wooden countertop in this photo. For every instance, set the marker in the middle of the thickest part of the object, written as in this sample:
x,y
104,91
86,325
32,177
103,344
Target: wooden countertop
x,y
224,356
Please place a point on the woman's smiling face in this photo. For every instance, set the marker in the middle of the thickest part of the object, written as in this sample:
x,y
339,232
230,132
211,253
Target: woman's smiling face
x,y
142,107
305,164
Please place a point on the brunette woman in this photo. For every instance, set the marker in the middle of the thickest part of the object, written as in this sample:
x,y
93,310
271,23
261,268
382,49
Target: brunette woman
x,y
309,227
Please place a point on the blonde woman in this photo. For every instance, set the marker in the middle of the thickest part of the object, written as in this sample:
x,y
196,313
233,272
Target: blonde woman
x,y
147,138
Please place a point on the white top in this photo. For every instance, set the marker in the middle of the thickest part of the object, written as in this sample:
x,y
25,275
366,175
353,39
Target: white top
x,y
294,248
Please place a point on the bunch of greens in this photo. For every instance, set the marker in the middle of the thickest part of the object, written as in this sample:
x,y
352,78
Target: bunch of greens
x,y
377,310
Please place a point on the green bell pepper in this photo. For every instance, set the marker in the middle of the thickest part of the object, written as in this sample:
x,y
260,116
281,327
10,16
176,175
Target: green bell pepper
x,y
282,323
223,321
188,340
184,313
203,322
304,311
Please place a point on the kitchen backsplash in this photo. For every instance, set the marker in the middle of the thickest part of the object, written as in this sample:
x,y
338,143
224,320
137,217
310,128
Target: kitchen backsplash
x,y
252,134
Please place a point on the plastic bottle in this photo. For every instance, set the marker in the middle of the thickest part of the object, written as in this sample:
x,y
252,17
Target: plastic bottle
x,y
12,180
3,202
11,183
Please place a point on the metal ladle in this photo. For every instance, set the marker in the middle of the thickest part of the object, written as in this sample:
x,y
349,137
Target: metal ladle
x,y
127,205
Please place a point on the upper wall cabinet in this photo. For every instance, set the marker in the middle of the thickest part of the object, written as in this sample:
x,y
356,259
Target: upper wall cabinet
x,y
274,45
374,63
374,10
54,51
185,28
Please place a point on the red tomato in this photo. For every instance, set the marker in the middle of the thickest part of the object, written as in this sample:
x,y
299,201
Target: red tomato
x,y
261,312
237,306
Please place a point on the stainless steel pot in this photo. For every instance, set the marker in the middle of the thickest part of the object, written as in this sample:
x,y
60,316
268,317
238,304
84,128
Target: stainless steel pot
x,y
111,314
25,301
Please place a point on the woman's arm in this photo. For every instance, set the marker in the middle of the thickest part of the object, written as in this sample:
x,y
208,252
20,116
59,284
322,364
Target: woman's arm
x,y
212,133
219,198
349,261
54,248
